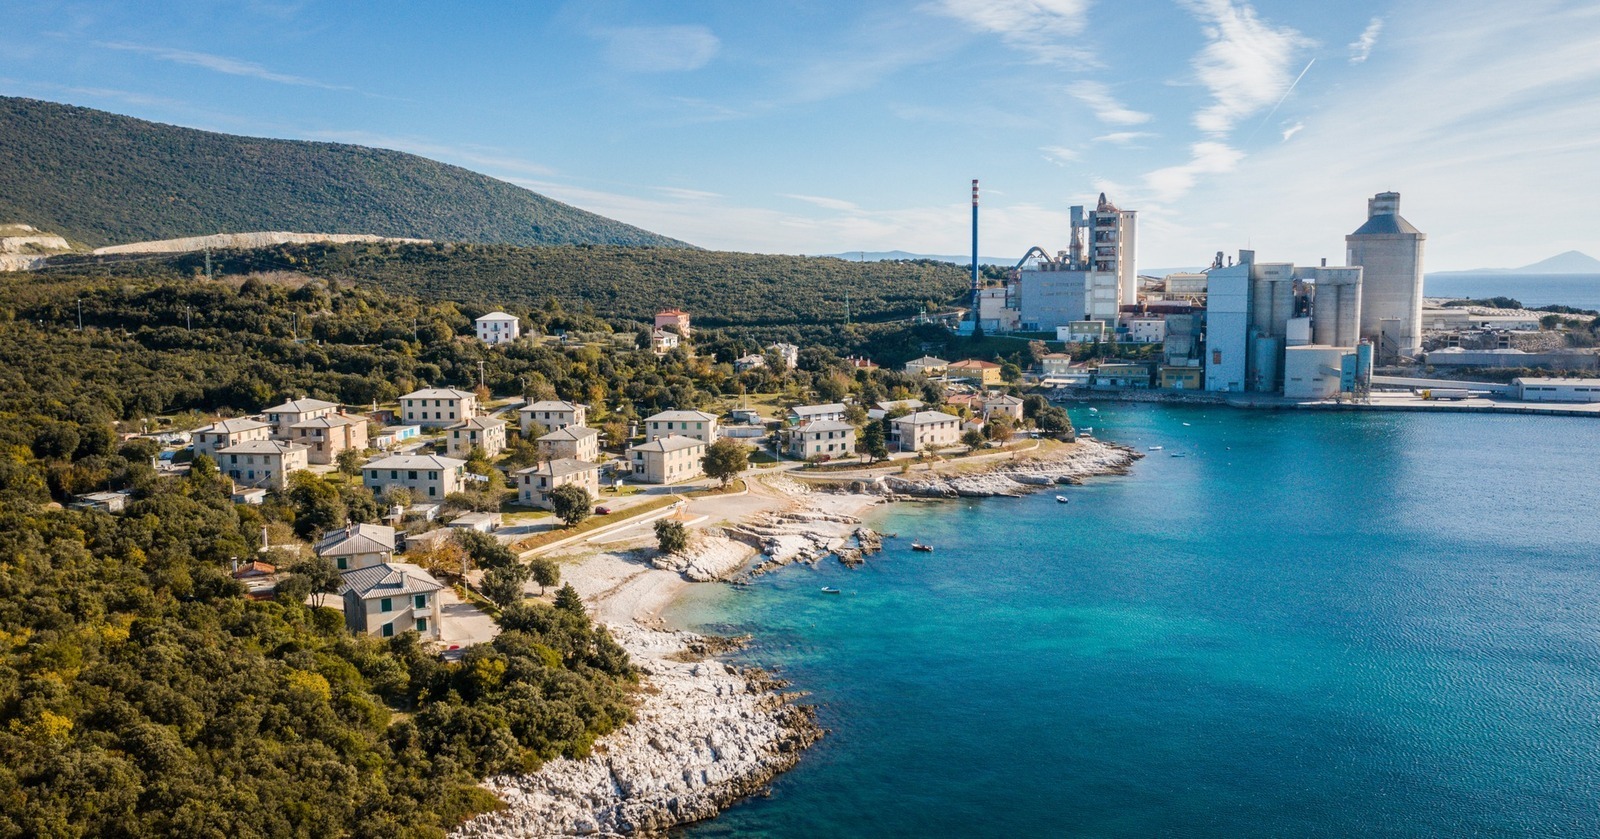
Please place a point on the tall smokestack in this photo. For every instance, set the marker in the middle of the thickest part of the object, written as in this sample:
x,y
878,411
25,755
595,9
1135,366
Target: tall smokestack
x,y
974,254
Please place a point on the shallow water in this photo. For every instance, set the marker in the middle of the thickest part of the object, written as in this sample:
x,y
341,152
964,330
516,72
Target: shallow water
x,y
1313,624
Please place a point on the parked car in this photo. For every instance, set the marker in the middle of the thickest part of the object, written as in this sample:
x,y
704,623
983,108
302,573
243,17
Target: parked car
x,y
602,511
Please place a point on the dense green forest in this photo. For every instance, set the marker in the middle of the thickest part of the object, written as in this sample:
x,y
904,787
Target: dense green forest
x,y
624,283
99,179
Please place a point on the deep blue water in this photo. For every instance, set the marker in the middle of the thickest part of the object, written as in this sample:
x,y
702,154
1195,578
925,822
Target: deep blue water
x,y
1580,291
1311,625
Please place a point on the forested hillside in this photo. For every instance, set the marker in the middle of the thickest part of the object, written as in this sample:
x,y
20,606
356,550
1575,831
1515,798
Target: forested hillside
x,y
719,288
99,178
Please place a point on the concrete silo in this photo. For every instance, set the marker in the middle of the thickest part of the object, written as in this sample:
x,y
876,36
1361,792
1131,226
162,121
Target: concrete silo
x,y
1336,307
1389,251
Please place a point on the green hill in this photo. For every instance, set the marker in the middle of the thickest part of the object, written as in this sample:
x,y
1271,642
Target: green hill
x,y
100,178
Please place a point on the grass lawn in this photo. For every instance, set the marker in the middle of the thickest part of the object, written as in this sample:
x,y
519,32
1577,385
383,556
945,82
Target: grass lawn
x,y
592,523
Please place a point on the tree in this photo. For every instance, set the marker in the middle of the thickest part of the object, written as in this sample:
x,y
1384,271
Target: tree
x,y
999,427
873,441
447,557
671,536
725,459
485,550
972,439
572,503
320,575
349,461
503,585
545,572
1053,420
397,496
567,600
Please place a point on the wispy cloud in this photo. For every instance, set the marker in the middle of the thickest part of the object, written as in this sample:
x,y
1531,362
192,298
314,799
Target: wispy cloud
x,y
1293,130
1124,138
1059,155
1105,106
1207,157
1246,64
1361,47
825,202
659,49
1045,29
220,64
687,194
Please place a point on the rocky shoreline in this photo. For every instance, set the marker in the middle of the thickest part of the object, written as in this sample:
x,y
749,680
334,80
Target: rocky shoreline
x,y
1089,458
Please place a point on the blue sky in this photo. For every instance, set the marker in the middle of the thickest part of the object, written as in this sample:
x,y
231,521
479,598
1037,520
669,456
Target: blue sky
x,y
815,127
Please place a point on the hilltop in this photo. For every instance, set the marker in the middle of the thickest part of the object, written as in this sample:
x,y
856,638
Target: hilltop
x,y
99,179
1570,262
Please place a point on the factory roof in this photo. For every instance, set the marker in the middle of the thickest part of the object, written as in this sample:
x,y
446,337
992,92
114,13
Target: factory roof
x,y
1545,380
1386,224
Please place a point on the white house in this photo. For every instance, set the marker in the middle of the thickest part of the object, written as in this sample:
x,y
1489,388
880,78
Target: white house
x,y
788,352
801,414
429,477
927,430
438,407
746,363
489,433
823,439
498,328
283,417
697,424
667,460
386,600
663,342
1002,404
535,483
553,414
328,435
574,442
262,463
357,546
1147,329
224,433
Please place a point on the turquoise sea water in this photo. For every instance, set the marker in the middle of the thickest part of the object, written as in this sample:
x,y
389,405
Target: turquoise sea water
x,y
1311,625
1580,291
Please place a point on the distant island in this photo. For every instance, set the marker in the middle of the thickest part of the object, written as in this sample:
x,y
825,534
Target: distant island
x,y
1571,262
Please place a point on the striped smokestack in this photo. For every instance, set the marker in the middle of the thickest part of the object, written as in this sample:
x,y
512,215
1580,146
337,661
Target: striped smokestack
x,y
974,254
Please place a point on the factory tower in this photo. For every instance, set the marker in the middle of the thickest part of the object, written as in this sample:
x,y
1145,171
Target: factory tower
x,y
1389,251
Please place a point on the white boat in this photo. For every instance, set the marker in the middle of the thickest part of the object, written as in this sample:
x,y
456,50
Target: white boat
x,y
1094,410
1185,425
1178,454
1062,499
1155,448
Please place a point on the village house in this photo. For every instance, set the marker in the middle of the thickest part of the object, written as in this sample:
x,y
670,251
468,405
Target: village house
x,y
975,370
573,442
697,424
663,342
386,600
1056,364
926,430
927,366
535,483
105,502
1002,404
438,407
260,579
357,546
673,320
667,460
883,409
553,414
498,328
283,417
483,522
327,436
263,463
801,414
746,363
822,439
429,477
789,353
488,433
224,433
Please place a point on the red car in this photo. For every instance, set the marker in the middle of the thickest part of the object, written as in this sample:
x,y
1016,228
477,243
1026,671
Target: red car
x,y
602,511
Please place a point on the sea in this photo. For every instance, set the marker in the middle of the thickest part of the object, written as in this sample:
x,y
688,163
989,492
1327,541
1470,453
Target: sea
x,y
1281,624
1581,291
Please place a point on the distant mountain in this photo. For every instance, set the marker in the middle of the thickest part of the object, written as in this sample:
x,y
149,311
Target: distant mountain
x,y
99,179
1571,262
885,256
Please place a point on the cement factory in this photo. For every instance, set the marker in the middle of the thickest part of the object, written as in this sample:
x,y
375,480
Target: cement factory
x,y
1243,325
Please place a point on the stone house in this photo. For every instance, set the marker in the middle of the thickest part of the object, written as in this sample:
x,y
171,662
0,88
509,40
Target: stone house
x,y
667,460
437,407
535,483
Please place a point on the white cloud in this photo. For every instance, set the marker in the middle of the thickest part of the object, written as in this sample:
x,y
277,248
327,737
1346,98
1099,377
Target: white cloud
x,y
1207,157
826,203
1123,138
688,194
1046,29
1361,47
659,49
1059,154
1293,130
1246,64
1105,106
221,64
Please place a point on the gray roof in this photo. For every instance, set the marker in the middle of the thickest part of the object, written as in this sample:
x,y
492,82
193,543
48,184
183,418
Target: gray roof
x,y
571,432
559,467
926,417
300,406
480,422
414,461
928,360
498,315
392,579
262,447
356,539
328,421
813,410
682,416
1387,224
670,443
824,425
234,426
552,405
437,393
1002,399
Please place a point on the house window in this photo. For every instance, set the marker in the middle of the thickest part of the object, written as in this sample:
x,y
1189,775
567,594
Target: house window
x,y
431,491
411,475
386,605
342,563
422,624
420,601
388,630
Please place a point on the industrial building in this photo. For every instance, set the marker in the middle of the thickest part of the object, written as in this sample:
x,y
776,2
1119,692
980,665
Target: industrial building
x,y
1389,251
1557,390
1090,280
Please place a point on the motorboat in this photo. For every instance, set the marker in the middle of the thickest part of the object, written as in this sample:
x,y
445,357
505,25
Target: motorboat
x,y
829,590
1156,448
1062,499
918,546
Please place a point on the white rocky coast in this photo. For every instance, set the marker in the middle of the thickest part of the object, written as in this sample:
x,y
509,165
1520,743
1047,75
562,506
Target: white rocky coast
x,y
707,735
1085,458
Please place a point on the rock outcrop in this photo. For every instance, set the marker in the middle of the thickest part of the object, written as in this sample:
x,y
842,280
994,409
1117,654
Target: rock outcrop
x,y
712,556
244,240
707,735
1087,458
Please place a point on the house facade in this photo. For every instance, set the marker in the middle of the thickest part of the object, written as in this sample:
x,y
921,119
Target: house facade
x,y
437,407
498,328
927,366
788,352
224,433
667,460
429,477
489,433
283,417
386,600
975,370
663,342
1002,404
535,483
326,436
925,430
697,424
673,319
357,546
822,439
802,414
553,415
263,463
573,442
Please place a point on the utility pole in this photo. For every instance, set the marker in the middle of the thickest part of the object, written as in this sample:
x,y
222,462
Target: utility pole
x,y
480,374
80,314
188,320
208,263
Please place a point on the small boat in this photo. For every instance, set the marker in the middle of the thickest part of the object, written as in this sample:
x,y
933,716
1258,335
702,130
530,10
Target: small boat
x,y
1178,454
1062,499
918,546
1094,410
1156,448
829,590
1185,425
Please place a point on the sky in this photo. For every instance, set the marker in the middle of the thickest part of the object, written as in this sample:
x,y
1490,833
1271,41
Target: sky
x,y
825,127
